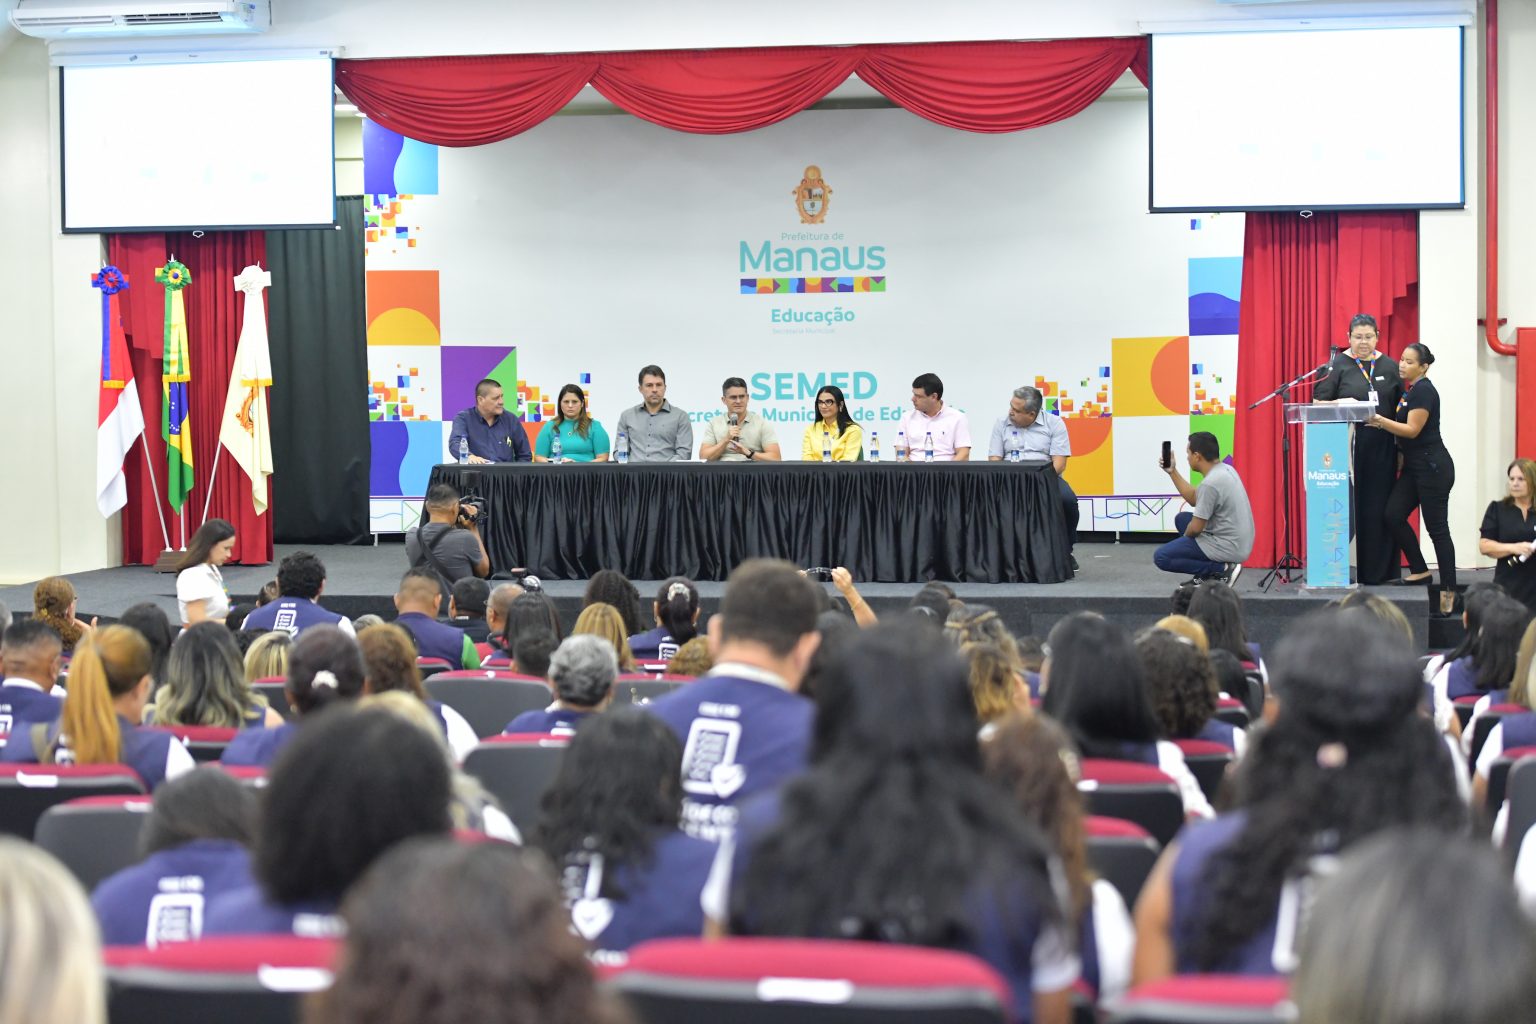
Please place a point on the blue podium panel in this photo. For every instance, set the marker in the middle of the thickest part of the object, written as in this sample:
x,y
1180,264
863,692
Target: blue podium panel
x,y
1329,497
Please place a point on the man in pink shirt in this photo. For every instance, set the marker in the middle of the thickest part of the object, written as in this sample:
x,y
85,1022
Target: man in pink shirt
x,y
948,425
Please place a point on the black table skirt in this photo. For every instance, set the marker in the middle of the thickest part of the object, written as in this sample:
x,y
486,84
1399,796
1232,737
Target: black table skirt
x,y
968,522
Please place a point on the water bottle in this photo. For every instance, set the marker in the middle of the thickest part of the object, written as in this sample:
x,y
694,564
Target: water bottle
x,y
463,451
901,446
928,447
621,449
826,446
874,446
556,449
1015,454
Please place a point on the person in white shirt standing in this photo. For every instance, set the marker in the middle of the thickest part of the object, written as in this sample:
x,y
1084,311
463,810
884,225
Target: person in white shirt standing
x,y
950,430
200,591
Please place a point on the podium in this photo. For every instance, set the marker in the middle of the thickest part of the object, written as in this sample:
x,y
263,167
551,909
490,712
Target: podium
x,y
1328,436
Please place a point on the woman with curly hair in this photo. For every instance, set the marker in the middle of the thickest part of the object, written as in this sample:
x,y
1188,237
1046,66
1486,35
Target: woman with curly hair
x,y
1034,760
1348,755
609,586
1182,683
610,827
996,690
830,856
452,932
53,602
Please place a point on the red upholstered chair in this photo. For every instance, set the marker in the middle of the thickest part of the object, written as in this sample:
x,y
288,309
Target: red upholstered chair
x,y
802,981
204,742
642,689
1232,711
652,668
255,980
432,666
1133,792
1208,761
1487,720
27,790
1498,775
274,689
253,775
488,704
94,836
1205,999
490,673
1122,852
517,769
1463,707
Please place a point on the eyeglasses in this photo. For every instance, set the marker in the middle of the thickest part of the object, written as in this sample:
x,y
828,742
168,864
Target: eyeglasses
x,y
826,401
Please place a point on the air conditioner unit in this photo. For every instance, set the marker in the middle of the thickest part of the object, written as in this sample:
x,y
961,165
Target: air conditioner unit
x,y
95,19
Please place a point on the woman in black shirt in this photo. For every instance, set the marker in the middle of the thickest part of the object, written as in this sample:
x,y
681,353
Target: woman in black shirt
x,y
1427,473
1509,534
1361,373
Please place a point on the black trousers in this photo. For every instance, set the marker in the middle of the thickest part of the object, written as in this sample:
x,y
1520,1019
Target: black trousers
x,y
1069,509
1376,554
1425,483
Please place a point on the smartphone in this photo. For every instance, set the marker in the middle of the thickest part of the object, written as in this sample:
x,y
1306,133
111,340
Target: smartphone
x,y
1167,454
819,572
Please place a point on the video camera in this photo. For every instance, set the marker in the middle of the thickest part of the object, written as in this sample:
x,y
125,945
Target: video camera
x,y
476,514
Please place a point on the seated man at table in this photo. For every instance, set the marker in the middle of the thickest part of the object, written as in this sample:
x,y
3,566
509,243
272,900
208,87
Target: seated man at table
x,y
950,429
657,430
448,544
494,434
1027,436
738,435
1217,533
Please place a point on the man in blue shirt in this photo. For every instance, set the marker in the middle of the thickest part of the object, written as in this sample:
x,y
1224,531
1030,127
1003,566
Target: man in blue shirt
x,y
300,582
417,601
32,661
494,434
1034,438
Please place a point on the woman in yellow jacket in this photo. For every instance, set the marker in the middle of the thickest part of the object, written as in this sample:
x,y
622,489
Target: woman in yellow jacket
x,y
832,429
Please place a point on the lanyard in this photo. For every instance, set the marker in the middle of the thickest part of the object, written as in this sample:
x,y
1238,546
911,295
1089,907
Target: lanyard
x,y
1402,403
1364,372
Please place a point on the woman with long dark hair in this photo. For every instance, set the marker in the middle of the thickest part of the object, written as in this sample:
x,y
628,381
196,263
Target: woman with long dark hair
x,y
610,827
531,614
1426,476
1217,607
676,610
1493,657
896,756
832,430
582,438
609,586
324,668
1348,755
200,591
1095,687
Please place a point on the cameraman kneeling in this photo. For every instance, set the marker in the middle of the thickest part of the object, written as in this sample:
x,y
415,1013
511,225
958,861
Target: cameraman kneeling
x,y
448,543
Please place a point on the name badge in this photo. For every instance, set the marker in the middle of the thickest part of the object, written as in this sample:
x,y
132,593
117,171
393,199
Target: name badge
x,y
1371,397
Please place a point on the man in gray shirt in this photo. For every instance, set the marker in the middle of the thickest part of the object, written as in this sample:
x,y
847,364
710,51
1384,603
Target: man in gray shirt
x,y
448,543
656,430
1029,436
1217,533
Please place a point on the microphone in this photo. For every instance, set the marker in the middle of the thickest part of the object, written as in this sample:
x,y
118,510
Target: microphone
x,y
732,420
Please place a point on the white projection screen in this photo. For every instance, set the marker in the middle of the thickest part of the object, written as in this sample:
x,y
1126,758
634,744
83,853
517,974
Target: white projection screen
x,y
187,146
1307,120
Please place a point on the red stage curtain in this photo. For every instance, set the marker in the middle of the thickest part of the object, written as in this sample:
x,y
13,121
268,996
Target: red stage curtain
x,y
214,311
1303,279
984,87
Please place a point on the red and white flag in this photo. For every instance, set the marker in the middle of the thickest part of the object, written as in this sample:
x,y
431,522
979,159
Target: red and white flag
x,y
119,419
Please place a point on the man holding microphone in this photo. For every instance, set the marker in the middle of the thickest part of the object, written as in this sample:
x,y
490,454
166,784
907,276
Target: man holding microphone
x,y
739,435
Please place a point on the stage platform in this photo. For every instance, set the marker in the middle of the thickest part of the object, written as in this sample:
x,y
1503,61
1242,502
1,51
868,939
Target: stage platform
x,y
1117,580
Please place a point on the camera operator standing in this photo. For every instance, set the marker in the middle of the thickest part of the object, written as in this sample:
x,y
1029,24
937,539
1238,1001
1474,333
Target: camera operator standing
x,y
448,543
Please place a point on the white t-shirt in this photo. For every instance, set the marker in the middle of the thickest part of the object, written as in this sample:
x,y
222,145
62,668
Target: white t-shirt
x,y
202,583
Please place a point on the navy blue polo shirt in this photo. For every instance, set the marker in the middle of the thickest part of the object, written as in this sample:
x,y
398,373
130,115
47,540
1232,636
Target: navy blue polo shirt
x,y
503,440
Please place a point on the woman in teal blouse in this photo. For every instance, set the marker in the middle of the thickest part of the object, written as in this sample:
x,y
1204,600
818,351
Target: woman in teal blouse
x,y
582,438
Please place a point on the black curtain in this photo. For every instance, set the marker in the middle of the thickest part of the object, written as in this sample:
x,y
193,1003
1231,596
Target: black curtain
x,y
319,402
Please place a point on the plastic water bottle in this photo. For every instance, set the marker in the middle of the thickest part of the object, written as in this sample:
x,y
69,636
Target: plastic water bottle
x,y
901,446
1015,453
463,451
556,449
621,449
928,447
826,446
874,446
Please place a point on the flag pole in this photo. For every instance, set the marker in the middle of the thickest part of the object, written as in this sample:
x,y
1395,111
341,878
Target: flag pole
x,y
212,476
154,489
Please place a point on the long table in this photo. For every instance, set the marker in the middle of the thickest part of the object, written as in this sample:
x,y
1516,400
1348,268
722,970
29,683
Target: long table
x,y
968,521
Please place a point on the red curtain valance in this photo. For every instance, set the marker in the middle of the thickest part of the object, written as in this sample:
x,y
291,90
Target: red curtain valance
x,y
976,86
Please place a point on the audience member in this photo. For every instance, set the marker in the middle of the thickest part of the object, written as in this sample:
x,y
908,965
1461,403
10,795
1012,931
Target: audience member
x,y
448,544
457,932
99,722
1491,666
300,582
497,605
156,629
1390,614
1216,532
267,658
1178,604
744,727
1189,629
200,591
533,652
603,620
389,663
1219,610
692,659
610,827
195,846
467,606
581,671
50,948
417,602
1382,945
1477,597
350,786
532,612
656,430
362,622
897,756
205,684
1514,730
1508,534
976,623
931,605
324,667
676,612
1095,687
996,689
5,624
835,630
53,604
1184,690
1347,756
1034,760
31,656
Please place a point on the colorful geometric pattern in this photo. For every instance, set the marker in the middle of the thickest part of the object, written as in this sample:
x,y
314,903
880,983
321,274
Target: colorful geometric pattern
x,y
396,165
1091,469
403,456
403,383
384,223
1215,286
809,285
1059,400
1152,375
403,308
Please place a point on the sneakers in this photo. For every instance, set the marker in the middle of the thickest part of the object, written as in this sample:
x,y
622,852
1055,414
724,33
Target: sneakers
x,y
1233,569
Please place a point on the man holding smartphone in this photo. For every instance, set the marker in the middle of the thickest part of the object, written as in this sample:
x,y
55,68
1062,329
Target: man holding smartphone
x,y
1217,533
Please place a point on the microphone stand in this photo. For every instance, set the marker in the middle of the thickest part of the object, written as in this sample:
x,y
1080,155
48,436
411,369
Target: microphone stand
x,y
1288,562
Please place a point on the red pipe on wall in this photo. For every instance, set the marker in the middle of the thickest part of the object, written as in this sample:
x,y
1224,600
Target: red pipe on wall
x,y
1491,319
1525,384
